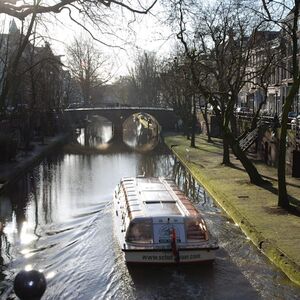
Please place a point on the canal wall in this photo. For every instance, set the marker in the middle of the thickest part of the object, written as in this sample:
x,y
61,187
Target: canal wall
x,y
273,231
11,171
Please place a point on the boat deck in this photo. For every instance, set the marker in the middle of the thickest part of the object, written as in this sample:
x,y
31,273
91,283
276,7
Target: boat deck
x,y
155,197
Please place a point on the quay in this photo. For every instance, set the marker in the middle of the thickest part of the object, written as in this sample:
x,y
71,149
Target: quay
x,y
274,231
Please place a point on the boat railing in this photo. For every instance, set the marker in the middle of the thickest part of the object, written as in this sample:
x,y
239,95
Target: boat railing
x,y
125,188
174,195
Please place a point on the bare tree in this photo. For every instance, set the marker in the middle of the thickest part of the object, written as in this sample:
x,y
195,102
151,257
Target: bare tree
x,y
21,9
222,50
97,13
145,79
177,91
21,42
87,65
126,90
273,12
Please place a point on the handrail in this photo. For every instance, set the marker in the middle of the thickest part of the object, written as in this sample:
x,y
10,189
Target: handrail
x,y
119,108
169,189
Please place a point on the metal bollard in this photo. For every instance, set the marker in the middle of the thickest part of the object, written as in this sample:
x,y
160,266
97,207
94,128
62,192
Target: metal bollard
x,y
30,285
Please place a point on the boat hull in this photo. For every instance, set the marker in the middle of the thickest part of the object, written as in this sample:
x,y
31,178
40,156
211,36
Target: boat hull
x,y
166,256
155,223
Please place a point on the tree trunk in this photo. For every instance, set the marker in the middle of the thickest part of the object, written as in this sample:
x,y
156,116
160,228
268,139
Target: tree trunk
x,y
186,131
204,114
227,116
233,124
226,156
9,80
194,120
283,199
207,127
251,170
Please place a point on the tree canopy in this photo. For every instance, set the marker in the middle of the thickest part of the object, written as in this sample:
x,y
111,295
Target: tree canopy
x,y
86,63
21,9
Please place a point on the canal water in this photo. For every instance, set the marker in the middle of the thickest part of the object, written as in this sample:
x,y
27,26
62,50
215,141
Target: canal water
x,y
58,219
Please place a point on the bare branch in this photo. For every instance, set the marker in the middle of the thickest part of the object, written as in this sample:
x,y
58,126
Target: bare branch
x,y
22,11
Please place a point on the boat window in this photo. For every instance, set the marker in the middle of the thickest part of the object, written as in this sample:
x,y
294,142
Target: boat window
x,y
195,230
140,231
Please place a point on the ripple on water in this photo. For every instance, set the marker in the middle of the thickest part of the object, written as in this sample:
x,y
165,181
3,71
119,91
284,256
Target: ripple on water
x,y
75,246
89,260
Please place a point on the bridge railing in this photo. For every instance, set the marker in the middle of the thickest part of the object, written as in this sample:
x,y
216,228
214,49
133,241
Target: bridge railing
x,y
133,108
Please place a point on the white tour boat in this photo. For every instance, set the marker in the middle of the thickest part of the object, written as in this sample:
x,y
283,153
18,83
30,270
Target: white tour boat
x,y
156,223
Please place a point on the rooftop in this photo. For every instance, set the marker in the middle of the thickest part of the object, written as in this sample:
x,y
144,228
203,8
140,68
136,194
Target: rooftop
x,y
156,197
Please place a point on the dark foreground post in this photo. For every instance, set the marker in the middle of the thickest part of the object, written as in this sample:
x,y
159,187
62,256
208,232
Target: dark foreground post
x,y
30,285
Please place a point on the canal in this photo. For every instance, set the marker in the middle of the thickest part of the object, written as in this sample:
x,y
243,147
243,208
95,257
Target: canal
x,y
58,219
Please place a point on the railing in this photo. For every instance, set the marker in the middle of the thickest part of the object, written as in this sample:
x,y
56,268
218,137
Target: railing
x,y
249,139
120,108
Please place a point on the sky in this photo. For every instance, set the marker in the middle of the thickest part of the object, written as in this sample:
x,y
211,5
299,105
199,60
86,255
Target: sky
x,y
128,34
145,33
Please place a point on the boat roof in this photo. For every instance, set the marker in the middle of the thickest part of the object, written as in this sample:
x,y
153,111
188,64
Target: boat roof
x,y
155,196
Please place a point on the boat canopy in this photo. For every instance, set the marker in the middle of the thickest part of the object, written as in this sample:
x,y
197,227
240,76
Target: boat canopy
x,y
152,197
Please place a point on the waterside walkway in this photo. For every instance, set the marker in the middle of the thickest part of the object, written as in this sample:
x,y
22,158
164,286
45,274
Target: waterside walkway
x,y
274,231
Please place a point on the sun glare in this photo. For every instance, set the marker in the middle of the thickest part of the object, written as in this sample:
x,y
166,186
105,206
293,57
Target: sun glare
x,y
26,236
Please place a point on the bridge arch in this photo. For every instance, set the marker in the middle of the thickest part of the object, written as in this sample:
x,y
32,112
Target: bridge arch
x,y
117,115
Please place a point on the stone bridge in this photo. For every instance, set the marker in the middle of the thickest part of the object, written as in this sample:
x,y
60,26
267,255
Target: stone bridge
x,y
117,115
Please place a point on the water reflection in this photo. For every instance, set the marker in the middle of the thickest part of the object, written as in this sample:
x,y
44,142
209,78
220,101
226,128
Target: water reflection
x,y
5,245
190,186
167,282
58,218
141,131
97,133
